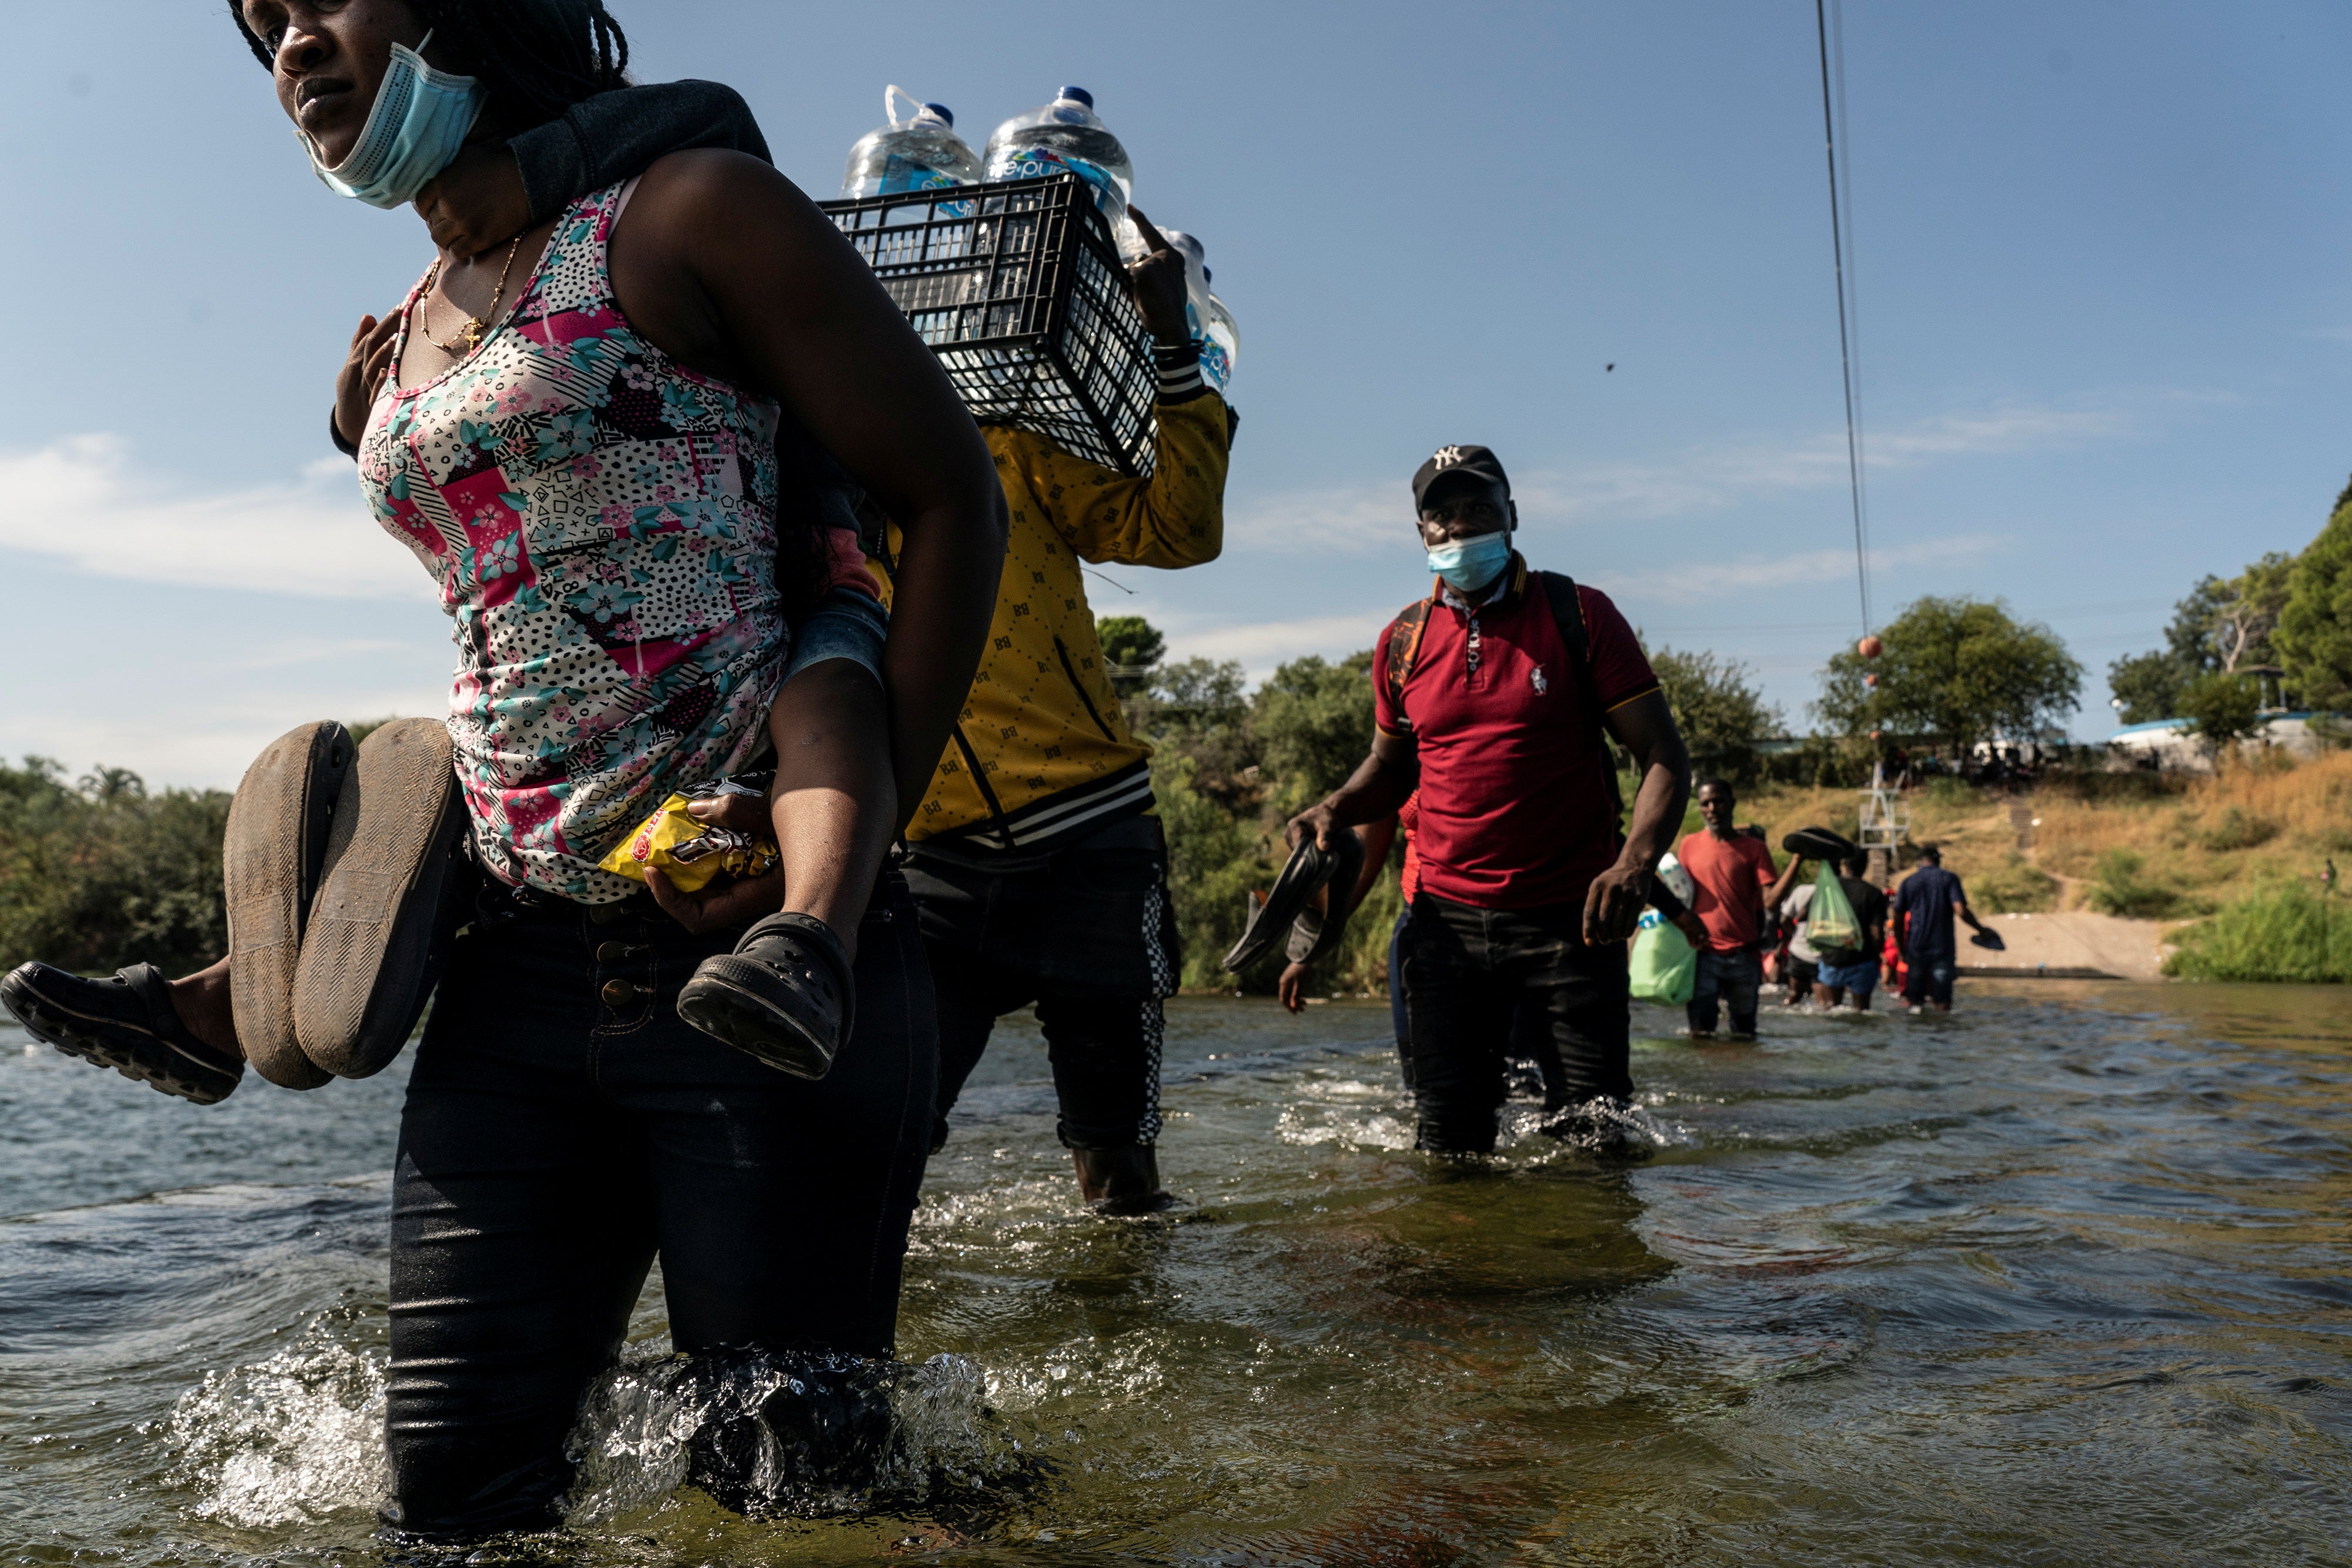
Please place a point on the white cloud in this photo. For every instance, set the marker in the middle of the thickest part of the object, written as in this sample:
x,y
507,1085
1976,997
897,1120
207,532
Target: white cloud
x,y
84,500
202,739
1260,646
1703,479
1348,516
1721,578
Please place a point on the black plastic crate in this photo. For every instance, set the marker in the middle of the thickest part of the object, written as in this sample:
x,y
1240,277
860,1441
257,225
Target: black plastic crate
x,y
1017,287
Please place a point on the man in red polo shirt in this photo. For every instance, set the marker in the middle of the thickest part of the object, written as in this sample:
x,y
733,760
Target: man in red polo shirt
x,y
1737,884
1493,696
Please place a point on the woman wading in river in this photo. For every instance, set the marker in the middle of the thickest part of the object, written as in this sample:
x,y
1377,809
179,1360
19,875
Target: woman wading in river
x,y
564,1126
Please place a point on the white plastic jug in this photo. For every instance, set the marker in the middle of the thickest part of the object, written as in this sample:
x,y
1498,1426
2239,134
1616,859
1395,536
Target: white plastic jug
x,y
1066,136
921,152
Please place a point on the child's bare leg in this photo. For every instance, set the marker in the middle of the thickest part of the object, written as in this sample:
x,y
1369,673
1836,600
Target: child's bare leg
x,y
201,1000
834,802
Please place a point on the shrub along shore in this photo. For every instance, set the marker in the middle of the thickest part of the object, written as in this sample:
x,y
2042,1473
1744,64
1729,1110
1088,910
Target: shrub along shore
x,y
100,871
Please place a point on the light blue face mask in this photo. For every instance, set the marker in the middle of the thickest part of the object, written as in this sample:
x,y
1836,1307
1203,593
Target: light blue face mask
x,y
1474,562
421,118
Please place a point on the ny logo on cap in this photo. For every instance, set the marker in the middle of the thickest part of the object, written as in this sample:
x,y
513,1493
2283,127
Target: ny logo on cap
x,y
1448,456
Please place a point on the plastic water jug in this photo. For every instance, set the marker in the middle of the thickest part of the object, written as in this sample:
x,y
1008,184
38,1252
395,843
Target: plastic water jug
x,y
921,152
1067,137
1211,324
1196,279
1221,345
1677,880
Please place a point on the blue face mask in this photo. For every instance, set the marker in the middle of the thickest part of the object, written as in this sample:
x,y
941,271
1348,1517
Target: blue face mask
x,y
1474,562
421,119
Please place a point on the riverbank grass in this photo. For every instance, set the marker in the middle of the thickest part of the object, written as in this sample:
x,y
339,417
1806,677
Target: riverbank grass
x,y
2293,931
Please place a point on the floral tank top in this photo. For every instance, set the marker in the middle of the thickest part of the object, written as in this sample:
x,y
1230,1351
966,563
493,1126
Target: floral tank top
x,y
602,522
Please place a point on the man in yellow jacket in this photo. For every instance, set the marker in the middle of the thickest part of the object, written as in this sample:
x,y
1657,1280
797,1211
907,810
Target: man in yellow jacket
x,y
1037,863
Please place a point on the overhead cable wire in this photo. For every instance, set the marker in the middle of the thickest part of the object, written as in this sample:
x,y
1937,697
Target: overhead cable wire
x,y
1846,348
1855,283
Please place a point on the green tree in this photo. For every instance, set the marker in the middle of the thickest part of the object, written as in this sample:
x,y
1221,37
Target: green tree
x,y
1215,856
1195,709
1717,708
2315,629
1133,647
2222,709
2224,625
1314,723
1954,672
2149,685
101,874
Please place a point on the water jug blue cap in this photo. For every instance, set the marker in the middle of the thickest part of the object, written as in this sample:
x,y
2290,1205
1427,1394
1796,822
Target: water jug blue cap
x,y
943,111
1080,93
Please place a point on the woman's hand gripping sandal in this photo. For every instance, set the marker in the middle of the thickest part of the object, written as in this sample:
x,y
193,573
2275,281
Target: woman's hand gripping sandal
x,y
127,1023
785,995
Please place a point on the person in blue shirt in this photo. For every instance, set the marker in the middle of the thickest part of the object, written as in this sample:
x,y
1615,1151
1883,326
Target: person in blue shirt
x,y
1926,905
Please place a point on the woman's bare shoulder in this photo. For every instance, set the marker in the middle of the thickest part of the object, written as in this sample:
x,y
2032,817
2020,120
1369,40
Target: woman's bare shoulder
x,y
717,181
708,202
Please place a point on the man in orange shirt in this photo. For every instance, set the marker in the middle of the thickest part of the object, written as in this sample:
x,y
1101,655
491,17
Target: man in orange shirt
x,y
1737,884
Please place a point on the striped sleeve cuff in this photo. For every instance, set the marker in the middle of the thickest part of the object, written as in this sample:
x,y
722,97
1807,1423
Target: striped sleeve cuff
x,y
1179,370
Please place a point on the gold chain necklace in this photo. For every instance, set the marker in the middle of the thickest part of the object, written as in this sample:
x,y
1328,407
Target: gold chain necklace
x,y
475,325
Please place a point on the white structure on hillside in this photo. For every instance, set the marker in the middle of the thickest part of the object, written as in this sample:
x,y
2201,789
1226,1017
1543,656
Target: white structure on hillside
x,y
1886,823
2168,743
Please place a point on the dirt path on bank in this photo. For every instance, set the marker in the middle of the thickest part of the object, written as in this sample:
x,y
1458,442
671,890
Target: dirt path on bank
x,y
2078,944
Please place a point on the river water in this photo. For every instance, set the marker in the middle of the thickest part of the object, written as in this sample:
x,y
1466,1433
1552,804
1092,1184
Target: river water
x,y
2060,1280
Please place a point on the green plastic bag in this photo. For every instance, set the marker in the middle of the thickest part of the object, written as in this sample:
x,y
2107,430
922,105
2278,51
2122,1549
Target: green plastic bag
x,y
1663,964
1830,920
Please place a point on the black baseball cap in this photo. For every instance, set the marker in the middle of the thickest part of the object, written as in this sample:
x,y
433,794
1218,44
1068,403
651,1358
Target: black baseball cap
x,y
1475,460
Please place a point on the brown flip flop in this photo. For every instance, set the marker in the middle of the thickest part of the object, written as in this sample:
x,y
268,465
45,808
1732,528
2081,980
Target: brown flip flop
x,y
379,927
271,857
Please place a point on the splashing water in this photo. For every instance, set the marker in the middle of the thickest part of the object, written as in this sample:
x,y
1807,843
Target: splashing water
x,y
2058,1279
294,1439
776,1434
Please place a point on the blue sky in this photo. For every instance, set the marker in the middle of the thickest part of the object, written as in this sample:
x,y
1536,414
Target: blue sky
x,y
2106,332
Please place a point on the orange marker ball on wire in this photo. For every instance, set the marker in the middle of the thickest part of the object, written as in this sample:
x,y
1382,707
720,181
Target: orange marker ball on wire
x,y
1870,647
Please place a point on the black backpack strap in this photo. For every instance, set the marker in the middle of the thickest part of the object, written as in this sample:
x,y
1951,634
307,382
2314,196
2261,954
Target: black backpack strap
x,y
1568,614
1404,647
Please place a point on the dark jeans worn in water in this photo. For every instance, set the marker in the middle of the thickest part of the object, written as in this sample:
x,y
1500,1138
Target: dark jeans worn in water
x,y
564,1126
1468,972
2060,1279
1088,939
1731,981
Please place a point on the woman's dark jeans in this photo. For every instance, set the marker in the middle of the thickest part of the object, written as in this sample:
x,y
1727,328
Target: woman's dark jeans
x,y
564,1126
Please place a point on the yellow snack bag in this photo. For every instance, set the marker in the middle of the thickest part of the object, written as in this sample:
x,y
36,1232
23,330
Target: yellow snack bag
x,y
689,852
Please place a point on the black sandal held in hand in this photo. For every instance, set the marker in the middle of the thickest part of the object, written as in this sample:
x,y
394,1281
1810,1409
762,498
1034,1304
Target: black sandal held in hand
x,y
1284,916
785,995
127,1023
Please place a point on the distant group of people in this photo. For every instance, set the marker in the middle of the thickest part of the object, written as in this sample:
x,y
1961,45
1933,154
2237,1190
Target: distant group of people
x,y
1751,911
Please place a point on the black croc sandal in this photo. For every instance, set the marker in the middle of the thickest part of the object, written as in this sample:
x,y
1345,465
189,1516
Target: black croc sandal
x,y
127,1023
1311,868
785,995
